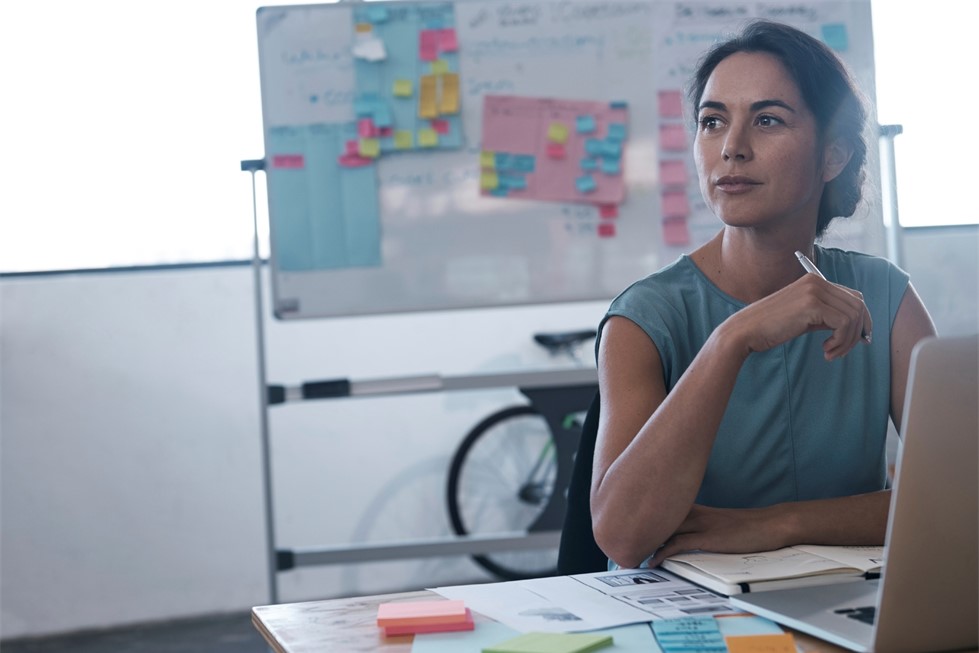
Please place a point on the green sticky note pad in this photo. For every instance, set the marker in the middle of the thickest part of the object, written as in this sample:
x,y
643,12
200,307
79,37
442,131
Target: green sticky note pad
x,y
403,140
552,643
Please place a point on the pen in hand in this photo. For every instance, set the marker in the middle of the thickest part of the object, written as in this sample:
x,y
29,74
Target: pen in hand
x,y
811,268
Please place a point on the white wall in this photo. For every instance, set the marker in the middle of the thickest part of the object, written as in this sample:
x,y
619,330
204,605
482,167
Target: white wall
x,y
131,466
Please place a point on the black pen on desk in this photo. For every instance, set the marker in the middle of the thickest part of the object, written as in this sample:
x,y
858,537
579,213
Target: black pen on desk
x,y
811,268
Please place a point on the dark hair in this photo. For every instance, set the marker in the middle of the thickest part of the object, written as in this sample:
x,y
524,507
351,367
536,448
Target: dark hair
x,y
828,91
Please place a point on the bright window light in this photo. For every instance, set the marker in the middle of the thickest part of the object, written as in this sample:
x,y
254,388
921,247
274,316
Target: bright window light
x,y
125,124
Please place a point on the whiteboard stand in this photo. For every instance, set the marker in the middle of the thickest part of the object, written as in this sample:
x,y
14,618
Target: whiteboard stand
x,y
252,166
888,175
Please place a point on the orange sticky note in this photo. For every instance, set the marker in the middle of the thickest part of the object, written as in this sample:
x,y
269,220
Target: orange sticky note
x,y
428,97
421,612
452,626
449,98
783,643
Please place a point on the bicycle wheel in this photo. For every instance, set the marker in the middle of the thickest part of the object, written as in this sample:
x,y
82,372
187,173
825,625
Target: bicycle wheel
x,y
500,480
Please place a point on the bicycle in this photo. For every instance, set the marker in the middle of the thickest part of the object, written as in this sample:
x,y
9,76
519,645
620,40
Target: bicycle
x,y
510,473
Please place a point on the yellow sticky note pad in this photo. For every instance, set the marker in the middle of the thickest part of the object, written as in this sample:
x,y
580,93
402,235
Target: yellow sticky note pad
x,y
488,180
403,140
428,137
403,88
369,148
440,67
449,98
428,97
557,132
363,28
783,643
487,160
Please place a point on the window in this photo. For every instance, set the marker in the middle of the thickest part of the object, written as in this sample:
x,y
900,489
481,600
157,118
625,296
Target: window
x,y
126,123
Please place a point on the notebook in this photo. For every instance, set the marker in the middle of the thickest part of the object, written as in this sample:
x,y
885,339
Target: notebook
x,y
927,598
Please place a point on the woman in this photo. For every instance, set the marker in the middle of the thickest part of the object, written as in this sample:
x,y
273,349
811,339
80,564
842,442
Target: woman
x,y
745,401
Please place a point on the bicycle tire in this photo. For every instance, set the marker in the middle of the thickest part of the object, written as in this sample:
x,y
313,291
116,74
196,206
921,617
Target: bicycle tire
x,y
495,447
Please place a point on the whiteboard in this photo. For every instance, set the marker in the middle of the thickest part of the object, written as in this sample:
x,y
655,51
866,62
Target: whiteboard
x,y
550,163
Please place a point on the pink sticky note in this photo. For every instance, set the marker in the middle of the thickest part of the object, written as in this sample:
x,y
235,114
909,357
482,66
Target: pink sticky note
x,y
606,229
447,40
421,612
670,104
353,147
366,128
428,44
675,232
673,137
288,161
673,173
410,629
608,210
354,161
555,151
385,132
675,204
440,126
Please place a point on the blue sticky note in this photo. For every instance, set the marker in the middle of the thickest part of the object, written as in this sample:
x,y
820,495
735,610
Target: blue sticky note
x,y
585,184
611,166
504,161
523,162
618,104
616,132
594,147
377,14
589,164
611,149
585,124
685,625
382,117
513,182
835,36
499,191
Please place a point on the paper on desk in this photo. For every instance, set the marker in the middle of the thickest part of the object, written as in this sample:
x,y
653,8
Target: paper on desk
x,y
636,638
588,601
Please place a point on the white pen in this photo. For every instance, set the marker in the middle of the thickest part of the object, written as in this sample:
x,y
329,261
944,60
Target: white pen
x,y
811,268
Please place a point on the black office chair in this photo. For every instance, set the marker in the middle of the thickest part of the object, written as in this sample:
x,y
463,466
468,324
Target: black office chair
x,y
578,552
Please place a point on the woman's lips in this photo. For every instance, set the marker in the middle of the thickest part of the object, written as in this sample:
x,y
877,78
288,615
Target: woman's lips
x,y
736,184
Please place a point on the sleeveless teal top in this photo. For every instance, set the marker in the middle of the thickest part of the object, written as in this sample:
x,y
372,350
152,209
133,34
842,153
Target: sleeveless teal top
x,y
796,427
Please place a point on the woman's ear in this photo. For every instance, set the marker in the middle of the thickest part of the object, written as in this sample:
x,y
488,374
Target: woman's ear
x,y
835,158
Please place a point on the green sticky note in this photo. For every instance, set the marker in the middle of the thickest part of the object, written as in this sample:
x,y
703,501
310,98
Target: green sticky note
x,y
440,66
403,88
403,139
428,137
552,643
369,148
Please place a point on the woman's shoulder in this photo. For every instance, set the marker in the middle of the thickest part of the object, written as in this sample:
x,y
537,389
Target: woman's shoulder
x,y
667,281
848,266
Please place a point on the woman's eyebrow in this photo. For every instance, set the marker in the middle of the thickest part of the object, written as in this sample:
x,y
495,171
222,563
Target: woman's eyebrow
x,y
755,106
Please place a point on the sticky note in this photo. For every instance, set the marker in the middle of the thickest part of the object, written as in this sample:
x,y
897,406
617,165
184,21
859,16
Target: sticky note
x,y
670,104
369,48
428,137
675,204
487,160
834,35
619,104
440,126
353,161
557,132
524,162
513,182
488,180
594,147
293,161
419,612
366,128
352,147
403,139
504,161
377,14
684,625
673,137
552,643
585,184
673,173
585,124
403,88
428,45
369,147
606,229
607,211
382,116
555,151
385,132
439,67
675,232
611,166
412,629
428,96
589,164
449,98
616,132
447,40
783,643
611,149
363,28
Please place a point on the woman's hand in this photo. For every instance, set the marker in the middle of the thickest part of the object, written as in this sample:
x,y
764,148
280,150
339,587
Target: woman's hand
x,y
808,304
722,530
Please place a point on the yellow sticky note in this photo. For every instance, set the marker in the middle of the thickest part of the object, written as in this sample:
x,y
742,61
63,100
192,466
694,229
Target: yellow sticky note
x,y
403,140
449,99
428,137
782,643
487,160
363,28
428,96
369,147
440,67
403,88
488,180
557,132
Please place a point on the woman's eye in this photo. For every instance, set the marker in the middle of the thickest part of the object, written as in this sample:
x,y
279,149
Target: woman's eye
x,y
709,122
768,121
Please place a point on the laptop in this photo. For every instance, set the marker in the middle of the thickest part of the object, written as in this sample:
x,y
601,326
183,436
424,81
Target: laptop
x,y
927,598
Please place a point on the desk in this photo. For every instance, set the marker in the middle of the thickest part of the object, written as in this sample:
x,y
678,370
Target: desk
x,y
349,625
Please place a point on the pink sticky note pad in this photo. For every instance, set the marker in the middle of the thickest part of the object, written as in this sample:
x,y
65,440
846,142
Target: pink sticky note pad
x,y
608,211
673,173
366,128
421,612
440,126
675,204
606,229
354,161
448,42
673,137
555,151
428,44
411,629
288,161
353,147
675,231
670,104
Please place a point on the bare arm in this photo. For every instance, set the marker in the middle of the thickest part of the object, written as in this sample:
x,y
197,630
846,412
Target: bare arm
x,y
911,324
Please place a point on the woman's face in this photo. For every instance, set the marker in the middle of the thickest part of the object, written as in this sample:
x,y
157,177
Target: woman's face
x,y
757,151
